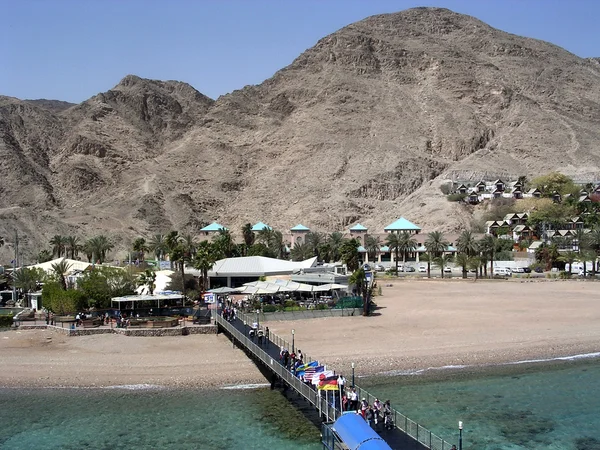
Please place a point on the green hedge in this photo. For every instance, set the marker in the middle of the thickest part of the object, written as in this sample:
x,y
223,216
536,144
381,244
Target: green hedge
x,y
6,321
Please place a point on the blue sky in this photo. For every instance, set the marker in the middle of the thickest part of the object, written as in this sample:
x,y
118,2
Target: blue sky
x,y
73,49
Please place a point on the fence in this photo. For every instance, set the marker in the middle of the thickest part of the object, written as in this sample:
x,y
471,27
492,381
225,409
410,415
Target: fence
x,y
330,412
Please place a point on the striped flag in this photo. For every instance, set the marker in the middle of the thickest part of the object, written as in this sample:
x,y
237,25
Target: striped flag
x,y
328,383
308,373
319,376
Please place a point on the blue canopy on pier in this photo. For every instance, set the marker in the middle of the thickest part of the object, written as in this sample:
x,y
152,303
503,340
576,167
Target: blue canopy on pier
x,y
356,433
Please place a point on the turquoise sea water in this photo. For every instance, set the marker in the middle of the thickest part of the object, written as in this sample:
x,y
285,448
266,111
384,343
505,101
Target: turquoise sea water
x,y
152,419
536,406
552,406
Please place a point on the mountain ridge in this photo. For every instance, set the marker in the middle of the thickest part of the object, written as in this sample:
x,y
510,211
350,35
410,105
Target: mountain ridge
x,y
363,126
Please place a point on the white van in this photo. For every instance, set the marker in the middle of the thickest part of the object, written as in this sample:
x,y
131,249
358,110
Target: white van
x,y
502,271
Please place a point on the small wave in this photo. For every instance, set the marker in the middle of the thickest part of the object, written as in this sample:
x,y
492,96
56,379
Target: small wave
x,y
391,373
134,387
247,386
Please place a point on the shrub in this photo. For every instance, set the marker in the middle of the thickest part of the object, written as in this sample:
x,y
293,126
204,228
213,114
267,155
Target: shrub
x,y
270,308
290,304
446,188
321,306
456,197
6,321
563,275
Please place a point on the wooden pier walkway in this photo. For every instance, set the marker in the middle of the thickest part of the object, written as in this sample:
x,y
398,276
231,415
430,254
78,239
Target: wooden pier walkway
x,y
406,434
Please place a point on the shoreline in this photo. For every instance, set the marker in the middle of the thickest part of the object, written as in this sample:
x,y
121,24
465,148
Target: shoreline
x,y
445,328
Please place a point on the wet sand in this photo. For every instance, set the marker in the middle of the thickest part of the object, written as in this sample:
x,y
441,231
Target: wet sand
x,y
419,324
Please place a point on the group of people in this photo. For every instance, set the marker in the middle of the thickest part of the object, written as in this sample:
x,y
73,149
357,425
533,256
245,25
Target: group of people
x,y
374,414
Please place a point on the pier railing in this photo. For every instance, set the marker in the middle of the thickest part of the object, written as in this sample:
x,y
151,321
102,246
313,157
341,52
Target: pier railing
x,y
330,411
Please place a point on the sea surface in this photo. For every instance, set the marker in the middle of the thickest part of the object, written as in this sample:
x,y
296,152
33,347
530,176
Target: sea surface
x,y
552,405
545,405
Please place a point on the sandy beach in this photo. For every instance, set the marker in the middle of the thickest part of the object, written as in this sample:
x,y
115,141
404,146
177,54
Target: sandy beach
x,y
419,324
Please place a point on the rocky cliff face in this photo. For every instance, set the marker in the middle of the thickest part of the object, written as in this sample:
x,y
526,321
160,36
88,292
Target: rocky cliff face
x,y
363,126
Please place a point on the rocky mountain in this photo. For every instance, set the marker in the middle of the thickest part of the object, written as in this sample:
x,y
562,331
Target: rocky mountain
x,y
364,126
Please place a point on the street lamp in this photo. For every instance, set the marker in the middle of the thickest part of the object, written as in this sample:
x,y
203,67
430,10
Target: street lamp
x,y
257,317
352,374
293,332
245,331
460,428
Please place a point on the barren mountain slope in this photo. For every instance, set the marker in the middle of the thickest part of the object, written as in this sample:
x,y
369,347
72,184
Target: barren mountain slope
x,y
363,126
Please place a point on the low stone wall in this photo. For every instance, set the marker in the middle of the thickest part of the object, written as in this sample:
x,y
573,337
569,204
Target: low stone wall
x,y
311,314
142,332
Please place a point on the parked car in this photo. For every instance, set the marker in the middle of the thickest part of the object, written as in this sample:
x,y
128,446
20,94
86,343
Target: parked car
x,y
366,267
502,271
409,269
379,268
538,270
519,270
447,269
422,269
400,268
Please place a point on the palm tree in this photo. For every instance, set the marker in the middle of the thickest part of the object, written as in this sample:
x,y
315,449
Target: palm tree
x,y
224,242
248,235
58,245
178,256
372,245
148,279
349,253
60,269
101,245
407,245
466,243
88,249
140,247
190,245
43,256
206,256
487,246
569,258
158,246
436,246
393,242
25,280
442,261
594,243
72,246
314,239
463,260
475,264
335,241
273,240
172,241
300,252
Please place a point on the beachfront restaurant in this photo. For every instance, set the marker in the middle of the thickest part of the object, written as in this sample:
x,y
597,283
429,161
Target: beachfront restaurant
x,y
135,302
236,272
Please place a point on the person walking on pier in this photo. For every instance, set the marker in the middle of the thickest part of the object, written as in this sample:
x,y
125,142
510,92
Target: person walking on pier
x,y
376,410
353,400
387,416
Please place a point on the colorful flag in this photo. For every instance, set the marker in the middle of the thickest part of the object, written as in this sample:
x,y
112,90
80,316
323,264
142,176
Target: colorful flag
x,y
319,376
312,370
328,383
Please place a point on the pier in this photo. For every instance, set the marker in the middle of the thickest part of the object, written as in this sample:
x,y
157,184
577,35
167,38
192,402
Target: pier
x,y
406,433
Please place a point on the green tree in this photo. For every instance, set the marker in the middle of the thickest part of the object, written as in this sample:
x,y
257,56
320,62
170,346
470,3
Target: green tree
x,y
569,258
314,240
44,256
189,245
59,270
466,243
101,284
58,245
335,241
442,261
148,280
273,241
158,246
140,247
464,261
72,246
436,245
206,256
27,280
224,243
349,254
372,246
97,248
555,182
301,252
547,254
359,280
393,243
407,244
248,235
487,246
475,264
62,301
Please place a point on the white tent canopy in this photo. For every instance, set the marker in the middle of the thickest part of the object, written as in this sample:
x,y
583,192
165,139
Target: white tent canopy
x,y
146,298
292,286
